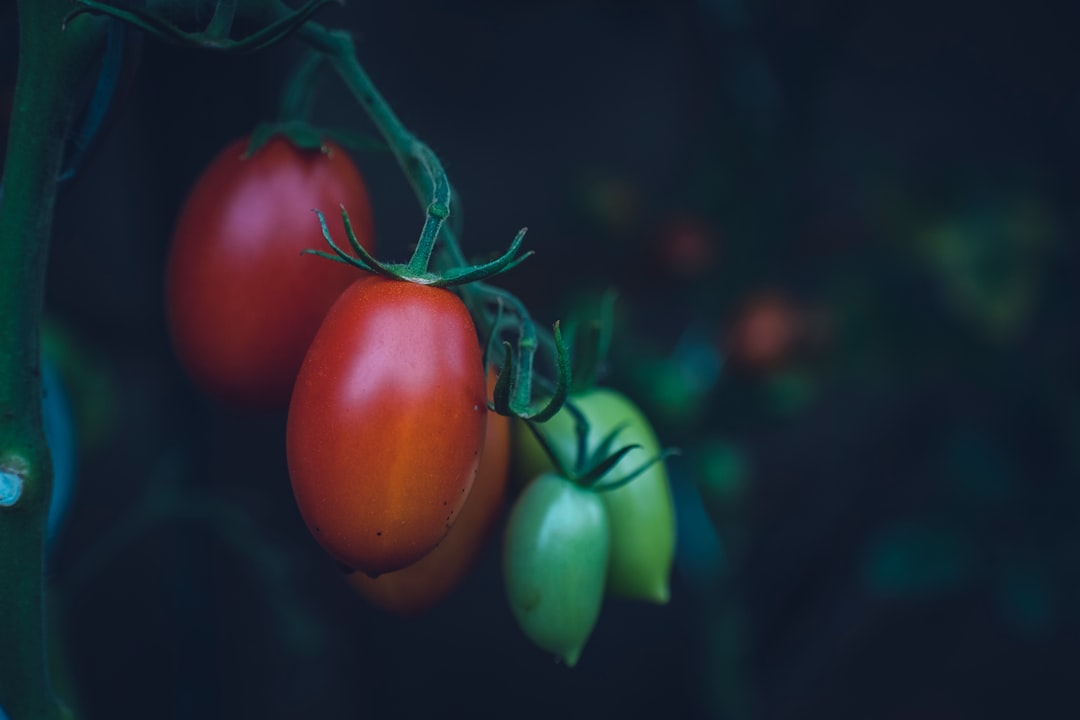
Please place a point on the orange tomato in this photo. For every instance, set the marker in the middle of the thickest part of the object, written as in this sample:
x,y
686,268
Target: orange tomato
x,y
415,589
386,423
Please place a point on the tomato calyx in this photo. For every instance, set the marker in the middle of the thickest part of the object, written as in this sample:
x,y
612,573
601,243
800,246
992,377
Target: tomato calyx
x,y
301,134
217,33
512,392
409,272
589,468
306,136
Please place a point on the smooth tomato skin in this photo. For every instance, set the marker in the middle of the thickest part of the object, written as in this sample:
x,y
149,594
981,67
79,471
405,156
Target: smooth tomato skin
x,y
555,557
415,589
642,512
242,301
386,423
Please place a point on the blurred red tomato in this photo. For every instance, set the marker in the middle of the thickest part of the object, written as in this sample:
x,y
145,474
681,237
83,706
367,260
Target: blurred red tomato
x,y
771,329
686,246
764,332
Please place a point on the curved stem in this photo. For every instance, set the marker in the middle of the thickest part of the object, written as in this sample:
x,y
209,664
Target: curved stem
x,y
527,343
300,89
437,211
222,21
339,50
426,175
52,63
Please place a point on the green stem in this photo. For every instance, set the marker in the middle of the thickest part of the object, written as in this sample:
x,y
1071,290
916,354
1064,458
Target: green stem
x,y
222,21
437,210
300,89
338,48
527,343
52,63
422,167
426,175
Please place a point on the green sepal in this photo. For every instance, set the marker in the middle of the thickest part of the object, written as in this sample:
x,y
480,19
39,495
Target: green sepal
x,y
356,261
634,474
343,259
306,136
549,449
506,261
562,381
581,436
603,450
301,134
504,384
605,465
361,258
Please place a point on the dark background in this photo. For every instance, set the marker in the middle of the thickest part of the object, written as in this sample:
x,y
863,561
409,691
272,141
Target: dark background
x,y
893,498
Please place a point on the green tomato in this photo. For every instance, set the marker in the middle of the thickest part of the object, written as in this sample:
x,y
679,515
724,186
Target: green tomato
x,y
642,512
555,557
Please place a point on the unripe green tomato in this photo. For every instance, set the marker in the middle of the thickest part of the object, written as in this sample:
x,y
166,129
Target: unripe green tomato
x,y
555,557
641,513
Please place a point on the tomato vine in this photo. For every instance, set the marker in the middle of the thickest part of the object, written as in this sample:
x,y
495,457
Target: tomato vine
x,y
58,49
59,52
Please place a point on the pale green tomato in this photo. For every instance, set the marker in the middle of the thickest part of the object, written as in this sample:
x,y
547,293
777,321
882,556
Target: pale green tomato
x,y
555,559
642,513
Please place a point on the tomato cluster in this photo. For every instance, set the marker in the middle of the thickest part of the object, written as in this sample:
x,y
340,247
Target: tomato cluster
x,y
581,541
398,467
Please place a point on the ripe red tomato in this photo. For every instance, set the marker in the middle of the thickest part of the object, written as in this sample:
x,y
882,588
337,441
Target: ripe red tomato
x,y
386,423
415,589
243,303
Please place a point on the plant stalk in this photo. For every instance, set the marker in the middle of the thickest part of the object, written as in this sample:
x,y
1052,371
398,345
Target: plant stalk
x,y
52,65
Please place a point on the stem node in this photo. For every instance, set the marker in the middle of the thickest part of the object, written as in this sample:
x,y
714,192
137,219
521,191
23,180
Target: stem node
x,y
11,488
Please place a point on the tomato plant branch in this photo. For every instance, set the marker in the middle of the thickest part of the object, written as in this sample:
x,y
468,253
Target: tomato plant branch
x,y
299,95
52,65
437,210
420,165
426,175
221,22
216,35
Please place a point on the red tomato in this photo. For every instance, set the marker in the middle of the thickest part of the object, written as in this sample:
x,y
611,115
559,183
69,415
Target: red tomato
x,y
243,303
765,332
424,584
386,423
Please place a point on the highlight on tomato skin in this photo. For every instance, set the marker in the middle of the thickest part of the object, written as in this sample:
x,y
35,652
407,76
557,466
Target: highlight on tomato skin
x,y
243,303
418,588
386,424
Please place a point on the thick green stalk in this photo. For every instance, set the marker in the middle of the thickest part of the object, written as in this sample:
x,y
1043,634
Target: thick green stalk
x,y
52,62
